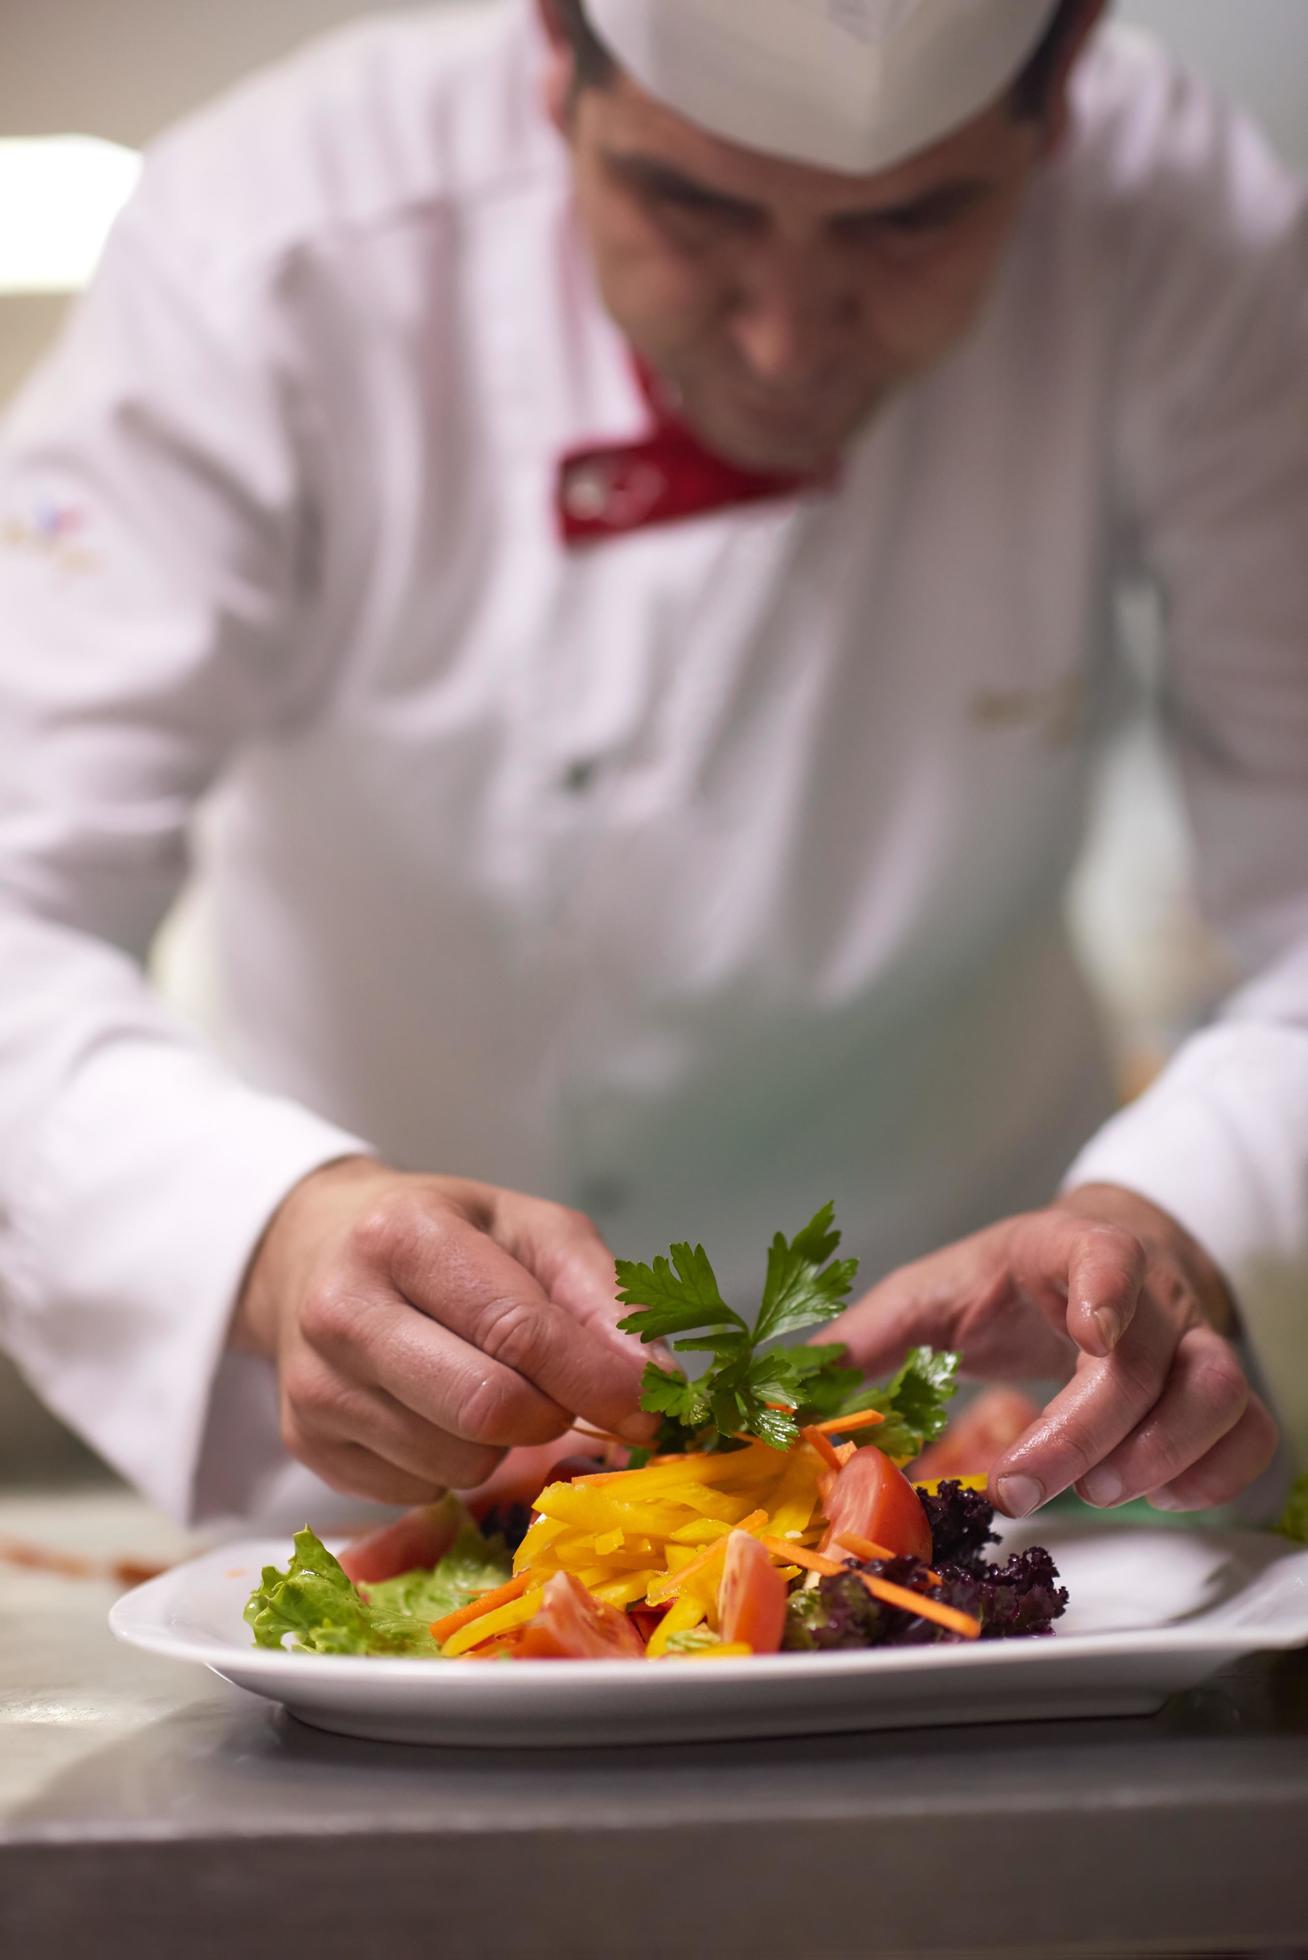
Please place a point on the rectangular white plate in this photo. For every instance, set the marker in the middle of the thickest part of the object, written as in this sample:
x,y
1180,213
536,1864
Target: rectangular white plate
x,y
1153,1611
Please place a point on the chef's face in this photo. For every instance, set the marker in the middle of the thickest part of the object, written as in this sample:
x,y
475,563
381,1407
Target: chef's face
x,y
783,304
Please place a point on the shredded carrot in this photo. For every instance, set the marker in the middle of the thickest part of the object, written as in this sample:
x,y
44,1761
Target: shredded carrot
x,y
486,1602
846,1425
844,1451
864,1547
797,1555
923,1604
818,1441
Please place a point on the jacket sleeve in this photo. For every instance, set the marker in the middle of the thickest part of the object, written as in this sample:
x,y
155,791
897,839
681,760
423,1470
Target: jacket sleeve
x,y
1213,454
155,603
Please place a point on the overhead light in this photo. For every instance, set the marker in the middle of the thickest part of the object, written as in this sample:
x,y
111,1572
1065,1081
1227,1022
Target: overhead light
x,y
59,196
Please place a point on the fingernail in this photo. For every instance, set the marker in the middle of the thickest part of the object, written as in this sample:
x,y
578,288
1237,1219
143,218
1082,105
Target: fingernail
x,y
638,1429
1019,1496
1162,1502
1101,1487
1110,1327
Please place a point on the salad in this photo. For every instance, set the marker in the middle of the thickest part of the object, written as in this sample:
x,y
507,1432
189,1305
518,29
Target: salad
x,y
773,1513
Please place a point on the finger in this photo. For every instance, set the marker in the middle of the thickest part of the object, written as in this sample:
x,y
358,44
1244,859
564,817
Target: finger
x,y
566,1252
416,1541
1099,1408
1228,1468
966,1297
357,1472
1205,1396
1105,1268
339,1407
465,1282
420,1366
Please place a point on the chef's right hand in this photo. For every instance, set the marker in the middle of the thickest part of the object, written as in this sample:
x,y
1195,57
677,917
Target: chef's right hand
x,y
421,1326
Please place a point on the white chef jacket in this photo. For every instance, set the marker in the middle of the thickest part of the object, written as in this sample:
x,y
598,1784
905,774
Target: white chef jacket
x,y
694,877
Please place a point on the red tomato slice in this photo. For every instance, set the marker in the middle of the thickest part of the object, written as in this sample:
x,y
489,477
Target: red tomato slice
x,y
572,1625
419,1538
751,1596
875,1500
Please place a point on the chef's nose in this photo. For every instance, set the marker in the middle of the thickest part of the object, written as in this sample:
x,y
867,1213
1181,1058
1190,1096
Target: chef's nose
x,y
790,320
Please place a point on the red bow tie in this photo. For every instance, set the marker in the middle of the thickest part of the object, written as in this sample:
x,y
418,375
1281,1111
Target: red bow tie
x,y
613,488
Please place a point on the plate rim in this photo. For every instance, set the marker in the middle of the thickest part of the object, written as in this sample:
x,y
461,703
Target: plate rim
x,y
149,1631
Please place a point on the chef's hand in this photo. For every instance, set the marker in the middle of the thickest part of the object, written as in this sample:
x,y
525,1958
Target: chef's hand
x,y
421,1326
1104,1289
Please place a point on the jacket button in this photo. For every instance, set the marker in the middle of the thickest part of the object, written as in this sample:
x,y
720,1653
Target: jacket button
x,y
580,776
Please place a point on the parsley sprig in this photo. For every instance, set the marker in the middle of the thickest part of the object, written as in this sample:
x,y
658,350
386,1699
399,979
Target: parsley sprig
x,y
751,1388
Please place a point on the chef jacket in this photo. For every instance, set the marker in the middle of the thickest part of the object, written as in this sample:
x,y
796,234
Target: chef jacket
x,y
692,875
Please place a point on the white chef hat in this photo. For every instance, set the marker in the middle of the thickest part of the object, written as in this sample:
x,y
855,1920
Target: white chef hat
x,y
850,85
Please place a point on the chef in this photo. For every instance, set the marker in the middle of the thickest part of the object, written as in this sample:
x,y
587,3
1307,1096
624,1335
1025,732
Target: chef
x,y
591,535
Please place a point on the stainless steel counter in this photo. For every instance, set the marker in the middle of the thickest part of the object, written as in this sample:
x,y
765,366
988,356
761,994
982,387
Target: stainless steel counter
x,y
146,1808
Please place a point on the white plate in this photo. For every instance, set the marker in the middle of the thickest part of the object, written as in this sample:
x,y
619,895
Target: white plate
x,y
1154,1610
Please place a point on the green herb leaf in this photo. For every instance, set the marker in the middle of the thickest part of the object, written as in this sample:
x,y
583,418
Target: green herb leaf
x,y
798,1292
914,1403
676,1298
750,1389
663,1394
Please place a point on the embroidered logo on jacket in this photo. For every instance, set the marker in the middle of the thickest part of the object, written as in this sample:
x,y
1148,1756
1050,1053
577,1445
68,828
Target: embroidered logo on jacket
x,y
52,531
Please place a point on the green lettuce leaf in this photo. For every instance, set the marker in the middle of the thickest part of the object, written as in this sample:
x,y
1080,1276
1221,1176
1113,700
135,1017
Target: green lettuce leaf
x,y
314,1603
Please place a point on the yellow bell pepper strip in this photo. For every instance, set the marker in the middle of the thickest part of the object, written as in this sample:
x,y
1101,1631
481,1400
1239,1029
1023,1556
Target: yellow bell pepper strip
x,y
726,1650
675,1581
515,1614
680,1618
932,1485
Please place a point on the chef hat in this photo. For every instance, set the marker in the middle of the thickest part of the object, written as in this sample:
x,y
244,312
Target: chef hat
x,y
851,85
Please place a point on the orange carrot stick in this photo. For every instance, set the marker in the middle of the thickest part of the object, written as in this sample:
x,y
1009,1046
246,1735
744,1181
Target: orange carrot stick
x,y
782,1548
487,1602
865,1548
846,1425
923,1604
816,1440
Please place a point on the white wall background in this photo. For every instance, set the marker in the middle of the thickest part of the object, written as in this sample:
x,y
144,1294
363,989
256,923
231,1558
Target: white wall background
x,y
124,68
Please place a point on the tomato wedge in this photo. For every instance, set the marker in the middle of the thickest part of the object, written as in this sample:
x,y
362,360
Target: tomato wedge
x,y
420,1537
572,1625
874,1499
751,1596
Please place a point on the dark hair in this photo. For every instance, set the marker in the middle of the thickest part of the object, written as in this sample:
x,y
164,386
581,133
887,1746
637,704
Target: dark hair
x,y
595,66
1030,97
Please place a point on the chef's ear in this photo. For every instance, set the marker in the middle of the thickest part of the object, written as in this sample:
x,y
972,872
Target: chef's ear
x,y
1044,89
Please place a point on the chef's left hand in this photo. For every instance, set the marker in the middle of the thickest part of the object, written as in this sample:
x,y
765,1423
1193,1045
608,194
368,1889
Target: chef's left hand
x,y
1109,1291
